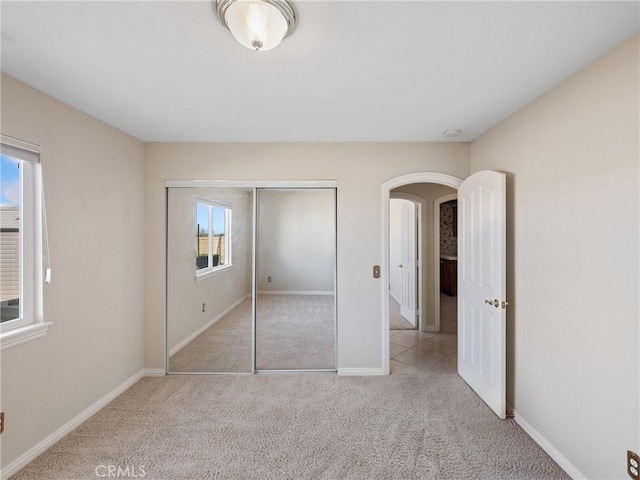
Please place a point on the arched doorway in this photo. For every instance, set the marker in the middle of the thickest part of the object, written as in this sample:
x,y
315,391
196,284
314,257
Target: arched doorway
x,y
420,177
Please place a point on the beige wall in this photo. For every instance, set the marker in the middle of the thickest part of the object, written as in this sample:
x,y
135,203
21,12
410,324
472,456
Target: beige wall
x,y
94,192
429,192
296,240
360,170
572,159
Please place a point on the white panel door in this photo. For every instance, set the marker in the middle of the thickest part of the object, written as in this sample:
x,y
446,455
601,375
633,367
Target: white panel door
x,y
482,287
408,234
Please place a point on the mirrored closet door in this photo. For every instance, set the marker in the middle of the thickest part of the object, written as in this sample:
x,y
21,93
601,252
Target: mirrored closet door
x,y
296,258
209,268
251,278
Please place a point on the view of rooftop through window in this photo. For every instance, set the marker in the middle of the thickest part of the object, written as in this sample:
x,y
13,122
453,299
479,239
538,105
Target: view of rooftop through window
x,y
9,239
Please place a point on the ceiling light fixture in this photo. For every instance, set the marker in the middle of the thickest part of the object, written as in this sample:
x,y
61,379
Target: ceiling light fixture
x,y
451,133
257,24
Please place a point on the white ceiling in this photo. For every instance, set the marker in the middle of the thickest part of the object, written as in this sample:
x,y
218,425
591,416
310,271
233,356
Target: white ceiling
x,y
351,71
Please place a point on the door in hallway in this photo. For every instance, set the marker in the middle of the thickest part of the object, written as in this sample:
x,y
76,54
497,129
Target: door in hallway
x,y
408,265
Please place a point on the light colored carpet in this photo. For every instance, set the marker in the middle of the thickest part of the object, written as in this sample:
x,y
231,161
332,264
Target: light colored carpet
x,y
428,426
223,347
396,320
292,332
295,332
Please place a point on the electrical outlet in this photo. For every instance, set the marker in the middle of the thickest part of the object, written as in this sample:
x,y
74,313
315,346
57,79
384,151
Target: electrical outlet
x,y
204,307
633,465
1,422
268,279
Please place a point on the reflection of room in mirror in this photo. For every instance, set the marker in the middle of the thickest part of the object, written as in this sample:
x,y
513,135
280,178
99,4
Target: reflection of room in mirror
x,y
200,295
225,346
210,317
295,331
295,311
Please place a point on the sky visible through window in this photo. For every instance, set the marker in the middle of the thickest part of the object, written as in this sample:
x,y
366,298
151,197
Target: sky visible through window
x,y
202,218
10,182
218,220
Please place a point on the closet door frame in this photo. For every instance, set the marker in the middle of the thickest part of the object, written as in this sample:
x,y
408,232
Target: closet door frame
x,y
255,185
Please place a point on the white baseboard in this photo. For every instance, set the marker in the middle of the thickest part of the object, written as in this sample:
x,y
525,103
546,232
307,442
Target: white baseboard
x,y
74,423
293,292
394,297
190,338
360,372
546,445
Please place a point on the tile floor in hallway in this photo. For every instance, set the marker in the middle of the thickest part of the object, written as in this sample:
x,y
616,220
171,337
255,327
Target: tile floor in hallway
x,y
414,352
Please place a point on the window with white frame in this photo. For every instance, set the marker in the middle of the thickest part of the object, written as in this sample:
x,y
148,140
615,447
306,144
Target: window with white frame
x,y
213,236
21,272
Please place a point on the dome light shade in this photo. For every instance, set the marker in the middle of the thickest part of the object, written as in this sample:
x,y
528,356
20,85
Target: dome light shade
x,y
257,24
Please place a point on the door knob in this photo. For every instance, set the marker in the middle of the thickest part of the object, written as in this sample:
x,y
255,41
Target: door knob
x,y
494,302
400,265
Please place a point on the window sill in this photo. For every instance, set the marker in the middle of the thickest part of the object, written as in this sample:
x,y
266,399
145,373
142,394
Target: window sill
x,y
211,273
21,335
